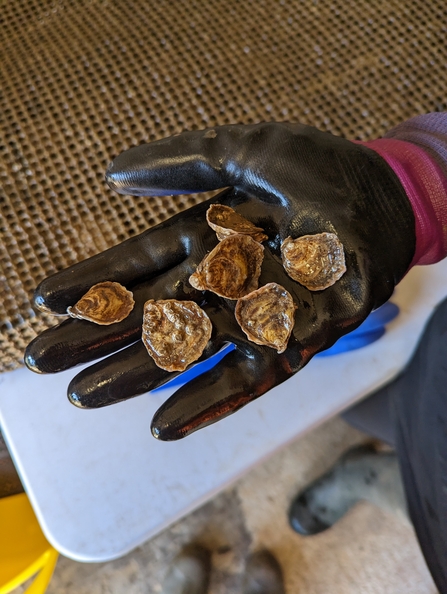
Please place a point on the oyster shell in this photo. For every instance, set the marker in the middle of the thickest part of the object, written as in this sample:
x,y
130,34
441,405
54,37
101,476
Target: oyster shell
x,y
175,333
105,303
231,269
315,261
267,316
225,221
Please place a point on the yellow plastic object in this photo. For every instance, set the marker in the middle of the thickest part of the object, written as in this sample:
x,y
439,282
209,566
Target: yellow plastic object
x,y
24,550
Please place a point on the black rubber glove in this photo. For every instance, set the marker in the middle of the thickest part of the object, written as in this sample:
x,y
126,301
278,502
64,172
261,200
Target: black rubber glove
x,y
289,179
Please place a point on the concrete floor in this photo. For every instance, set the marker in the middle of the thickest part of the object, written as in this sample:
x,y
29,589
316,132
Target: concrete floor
x,y
369,551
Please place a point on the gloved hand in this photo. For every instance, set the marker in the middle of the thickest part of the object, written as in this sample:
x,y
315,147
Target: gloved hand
x,y
289,179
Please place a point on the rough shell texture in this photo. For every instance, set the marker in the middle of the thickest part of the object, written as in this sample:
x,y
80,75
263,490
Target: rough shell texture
x,y
315,261
231,269
225,221
175,333
267,316
105,303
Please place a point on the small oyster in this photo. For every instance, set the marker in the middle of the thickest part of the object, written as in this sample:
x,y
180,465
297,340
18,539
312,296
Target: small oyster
x,y
315,261
267,316
231,269
105,303
225,221
175,333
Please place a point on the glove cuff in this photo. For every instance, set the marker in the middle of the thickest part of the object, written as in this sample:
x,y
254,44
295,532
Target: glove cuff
x,y
426,187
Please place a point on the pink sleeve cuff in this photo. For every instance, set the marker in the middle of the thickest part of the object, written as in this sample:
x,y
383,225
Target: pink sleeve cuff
x,y
426,187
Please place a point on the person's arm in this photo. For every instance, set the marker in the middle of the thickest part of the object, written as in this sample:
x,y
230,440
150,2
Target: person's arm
x,y
417,152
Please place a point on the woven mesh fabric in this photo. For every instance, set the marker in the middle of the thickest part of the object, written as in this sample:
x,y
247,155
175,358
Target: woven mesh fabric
x,y
82,81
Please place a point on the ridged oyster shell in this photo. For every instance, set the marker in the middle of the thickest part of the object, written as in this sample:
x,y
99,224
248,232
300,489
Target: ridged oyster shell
x,y
267,316
315,261
175,333
104,304
226,221
231,269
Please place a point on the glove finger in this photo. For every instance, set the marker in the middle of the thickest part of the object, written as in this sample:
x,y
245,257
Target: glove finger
x,y
242,376
129,263
126,374
74,342
193,161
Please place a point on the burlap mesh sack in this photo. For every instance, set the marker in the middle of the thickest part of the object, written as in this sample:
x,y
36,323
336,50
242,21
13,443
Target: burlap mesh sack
x,y
82,81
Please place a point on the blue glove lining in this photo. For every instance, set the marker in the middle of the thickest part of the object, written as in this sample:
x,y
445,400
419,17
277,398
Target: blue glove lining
x,y
368,332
